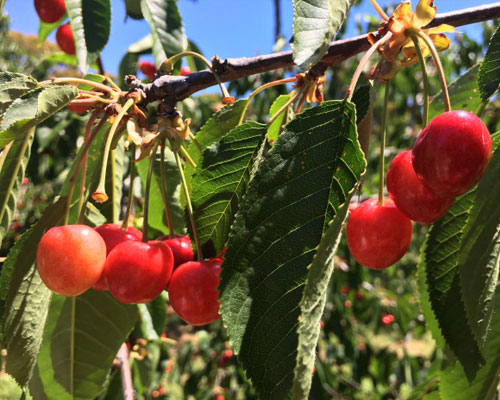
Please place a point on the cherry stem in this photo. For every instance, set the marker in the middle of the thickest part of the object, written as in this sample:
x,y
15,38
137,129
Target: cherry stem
x,y
425,79
79,81
446,97
72,180
100,193
88,131
302,99
164,192
186,155
260,89
172,60
114,205
130,191
382,146
381,12
146,194
283,108
189,205
362,63
98,98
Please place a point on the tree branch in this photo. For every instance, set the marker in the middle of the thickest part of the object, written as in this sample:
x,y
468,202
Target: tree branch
x,y
176,88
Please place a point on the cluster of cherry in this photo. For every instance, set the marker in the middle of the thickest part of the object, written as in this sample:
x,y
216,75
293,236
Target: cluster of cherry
x,y
74,258
448,159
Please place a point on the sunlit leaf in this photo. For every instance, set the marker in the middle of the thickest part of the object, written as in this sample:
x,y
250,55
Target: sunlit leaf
x,y
315,24
315,162
12,86
33,108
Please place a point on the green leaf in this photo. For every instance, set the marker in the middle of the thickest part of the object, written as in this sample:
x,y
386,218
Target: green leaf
x,y
440,259
11,177
315,162
133,8
32,108
218,126
142,46
453,380
45,29
315,24
275,128
362,100
221,180
489,77
26,303
313,304
166,26
479,261
128,66
80,341
464,94
93,78
12,86
157,218
91,22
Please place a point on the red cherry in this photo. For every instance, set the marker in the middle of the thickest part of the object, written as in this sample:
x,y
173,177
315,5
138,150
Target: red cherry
x,y
185,71
113,235
70,259
193,292
451,153
387,319
65,40
409,194
148,69
181,247
225,358
50,11
378,236
137,272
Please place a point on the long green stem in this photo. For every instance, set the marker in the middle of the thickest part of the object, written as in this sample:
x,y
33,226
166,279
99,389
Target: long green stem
x,y
164,192
425,78
362,63
260,89
130,191
189,205
96,85
115,207
88,131
437,60
146,194
382,146
100,194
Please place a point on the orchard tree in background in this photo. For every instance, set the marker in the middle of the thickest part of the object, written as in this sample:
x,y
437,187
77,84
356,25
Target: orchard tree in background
x,y
158,243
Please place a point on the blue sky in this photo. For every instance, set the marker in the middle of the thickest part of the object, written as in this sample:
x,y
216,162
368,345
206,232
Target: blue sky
x,y
228,28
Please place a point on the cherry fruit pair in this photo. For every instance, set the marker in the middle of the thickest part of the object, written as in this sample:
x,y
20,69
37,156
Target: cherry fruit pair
x,y
447,160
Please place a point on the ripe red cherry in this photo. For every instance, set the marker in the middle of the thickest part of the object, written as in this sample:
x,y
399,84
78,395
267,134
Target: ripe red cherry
x,y
137,272
50,11
70,259
185,71
148,69
409,194
65,40
377,235
181,247
113,235
451,153
192,291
